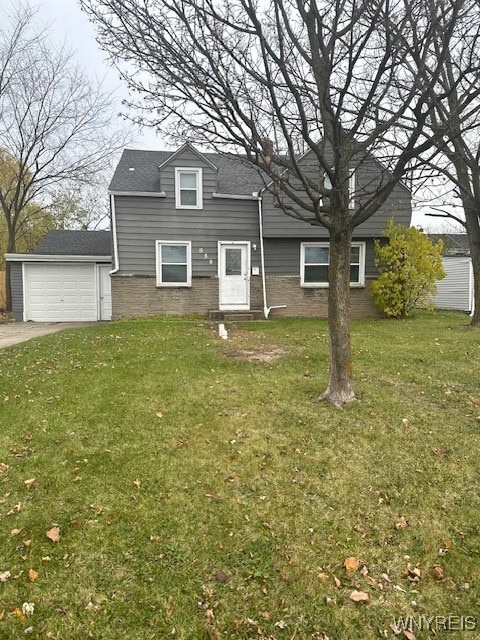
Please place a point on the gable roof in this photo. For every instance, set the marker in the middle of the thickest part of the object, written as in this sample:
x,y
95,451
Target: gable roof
x,y
80,243
187,145
138,171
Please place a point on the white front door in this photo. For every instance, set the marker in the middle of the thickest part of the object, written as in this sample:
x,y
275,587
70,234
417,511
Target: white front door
x,y
234,275
105,290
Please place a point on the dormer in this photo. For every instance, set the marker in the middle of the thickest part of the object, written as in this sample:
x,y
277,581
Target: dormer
x,y
188,177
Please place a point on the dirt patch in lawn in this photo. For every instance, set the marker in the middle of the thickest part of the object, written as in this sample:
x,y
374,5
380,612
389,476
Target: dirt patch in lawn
x,y
265,355
251,346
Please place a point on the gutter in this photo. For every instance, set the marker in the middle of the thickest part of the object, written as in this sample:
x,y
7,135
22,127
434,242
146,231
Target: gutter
x,y
116,265
266,308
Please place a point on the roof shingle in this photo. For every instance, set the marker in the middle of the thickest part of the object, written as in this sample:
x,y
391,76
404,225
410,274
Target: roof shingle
x,y
137,171
76,243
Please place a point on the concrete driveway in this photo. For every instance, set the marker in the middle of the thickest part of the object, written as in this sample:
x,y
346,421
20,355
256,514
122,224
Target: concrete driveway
x,y
15,332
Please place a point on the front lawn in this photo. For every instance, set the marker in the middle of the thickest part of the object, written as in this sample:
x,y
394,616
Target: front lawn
x,y
198,492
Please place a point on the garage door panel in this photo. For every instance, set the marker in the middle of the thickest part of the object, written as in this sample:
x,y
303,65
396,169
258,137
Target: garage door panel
x,y
56,292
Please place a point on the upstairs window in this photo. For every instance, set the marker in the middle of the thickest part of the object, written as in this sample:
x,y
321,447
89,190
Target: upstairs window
x,y
188,189
174,264
315,261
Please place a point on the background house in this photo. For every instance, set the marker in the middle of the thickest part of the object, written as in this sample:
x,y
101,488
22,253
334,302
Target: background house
x,y
456,290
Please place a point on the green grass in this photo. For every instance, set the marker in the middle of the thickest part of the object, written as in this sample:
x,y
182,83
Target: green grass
x,y
241,473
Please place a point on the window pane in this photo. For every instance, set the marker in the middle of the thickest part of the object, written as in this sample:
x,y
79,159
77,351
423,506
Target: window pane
x,y
354,274
355,254
174,273
174,253
316,255
188,198
316,274
233,262
188,180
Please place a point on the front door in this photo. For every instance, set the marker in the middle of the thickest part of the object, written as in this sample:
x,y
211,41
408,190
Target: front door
x,y
234,275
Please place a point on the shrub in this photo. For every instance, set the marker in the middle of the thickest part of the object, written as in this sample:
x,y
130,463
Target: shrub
x,y
409,264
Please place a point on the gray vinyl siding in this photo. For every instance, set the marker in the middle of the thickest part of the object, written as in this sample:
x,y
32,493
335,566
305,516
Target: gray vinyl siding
x,y
16,280
188,159
142,220
282,256
367,177
455,291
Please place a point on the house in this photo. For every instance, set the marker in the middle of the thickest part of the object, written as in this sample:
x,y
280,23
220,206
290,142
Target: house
x,y
455,291
65,279
454,244
196,232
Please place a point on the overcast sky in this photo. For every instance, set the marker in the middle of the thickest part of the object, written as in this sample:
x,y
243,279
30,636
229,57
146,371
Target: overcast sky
x,y
68,23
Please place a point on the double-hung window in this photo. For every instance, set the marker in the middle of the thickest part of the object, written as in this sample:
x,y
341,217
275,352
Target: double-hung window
x,y
315,262
174,263
188,188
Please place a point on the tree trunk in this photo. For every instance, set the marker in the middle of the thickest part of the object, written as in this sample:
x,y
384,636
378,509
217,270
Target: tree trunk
x,y
340,386
11,247
472,225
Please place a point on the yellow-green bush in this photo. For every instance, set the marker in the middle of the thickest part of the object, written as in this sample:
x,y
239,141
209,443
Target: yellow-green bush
x,y
409,264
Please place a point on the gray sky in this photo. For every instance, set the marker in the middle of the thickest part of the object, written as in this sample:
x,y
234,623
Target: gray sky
x,y
68,23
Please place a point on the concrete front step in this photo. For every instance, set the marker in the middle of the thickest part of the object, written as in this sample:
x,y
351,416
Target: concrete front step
x,y
235,316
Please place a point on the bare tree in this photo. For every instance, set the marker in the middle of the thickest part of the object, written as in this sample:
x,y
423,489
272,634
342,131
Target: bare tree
x,y
456,123
55,124
328,77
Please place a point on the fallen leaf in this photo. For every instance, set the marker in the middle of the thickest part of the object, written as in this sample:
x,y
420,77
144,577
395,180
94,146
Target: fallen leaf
x,y
401,524
137,483
32,574
409,635
53,534
18,613
337,582
359,596
29,483
4,576
15,532
351,564
4,467
437,572
155,539
159,414
448,544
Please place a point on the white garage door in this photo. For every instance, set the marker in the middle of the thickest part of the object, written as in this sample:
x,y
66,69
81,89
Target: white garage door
x,y
60,292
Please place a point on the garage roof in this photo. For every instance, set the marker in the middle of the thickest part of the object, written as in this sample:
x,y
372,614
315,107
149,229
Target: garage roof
x,y
80,243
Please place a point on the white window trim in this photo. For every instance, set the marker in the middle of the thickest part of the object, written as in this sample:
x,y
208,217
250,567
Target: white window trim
x,y
324,285
158,261
199,188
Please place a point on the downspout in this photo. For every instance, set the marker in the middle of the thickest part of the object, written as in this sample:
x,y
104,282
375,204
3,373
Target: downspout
x,y
266,308
116,265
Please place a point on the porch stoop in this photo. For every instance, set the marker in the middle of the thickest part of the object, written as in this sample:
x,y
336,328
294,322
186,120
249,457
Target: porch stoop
x,y
235,316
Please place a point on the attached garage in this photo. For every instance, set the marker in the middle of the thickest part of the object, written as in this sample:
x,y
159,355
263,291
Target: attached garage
x,y
66,279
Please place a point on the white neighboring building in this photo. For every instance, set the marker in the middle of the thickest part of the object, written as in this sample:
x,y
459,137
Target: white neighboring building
x,y
455,291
